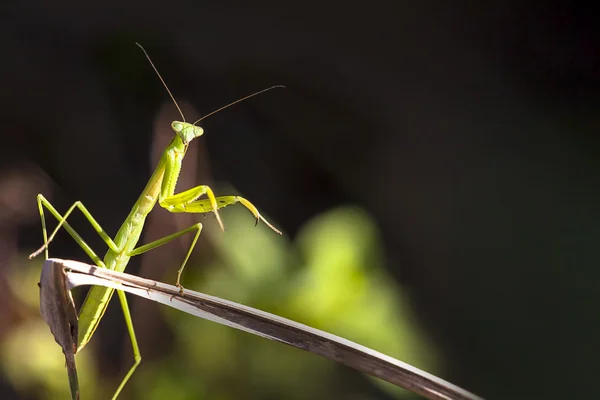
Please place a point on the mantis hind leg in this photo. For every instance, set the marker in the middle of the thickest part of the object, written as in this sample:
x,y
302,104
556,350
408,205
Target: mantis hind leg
x,y
137,356
62,222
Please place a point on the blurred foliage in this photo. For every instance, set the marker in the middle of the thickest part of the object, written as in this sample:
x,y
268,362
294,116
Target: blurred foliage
x,y
31,360
332,277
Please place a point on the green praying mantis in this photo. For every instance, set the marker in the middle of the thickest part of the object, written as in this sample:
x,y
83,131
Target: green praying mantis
x,y
160,188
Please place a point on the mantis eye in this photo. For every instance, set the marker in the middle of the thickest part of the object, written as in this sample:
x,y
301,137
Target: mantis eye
x,y
198,131
177,126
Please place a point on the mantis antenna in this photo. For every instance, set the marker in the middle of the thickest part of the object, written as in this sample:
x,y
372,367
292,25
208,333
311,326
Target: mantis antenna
x,y
162,80
238,101
213,112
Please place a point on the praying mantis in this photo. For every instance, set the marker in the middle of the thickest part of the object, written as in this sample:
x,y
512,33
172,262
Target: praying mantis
x,y
159,189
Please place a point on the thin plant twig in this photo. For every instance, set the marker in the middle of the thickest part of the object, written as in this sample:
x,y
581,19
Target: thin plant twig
x,y
263,324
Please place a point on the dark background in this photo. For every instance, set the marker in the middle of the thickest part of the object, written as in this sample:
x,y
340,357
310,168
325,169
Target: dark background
x,y
468,130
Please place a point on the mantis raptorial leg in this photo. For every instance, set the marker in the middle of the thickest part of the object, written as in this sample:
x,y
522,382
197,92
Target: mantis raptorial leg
x,y
160,188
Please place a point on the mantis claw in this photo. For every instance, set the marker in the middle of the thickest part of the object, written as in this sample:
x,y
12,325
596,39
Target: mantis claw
x,y
219,220
256,214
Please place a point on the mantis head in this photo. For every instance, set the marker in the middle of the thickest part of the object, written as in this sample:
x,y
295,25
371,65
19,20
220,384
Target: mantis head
x,y
186,131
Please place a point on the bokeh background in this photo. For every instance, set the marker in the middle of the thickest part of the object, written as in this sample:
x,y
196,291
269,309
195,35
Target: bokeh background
x,y
434,168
